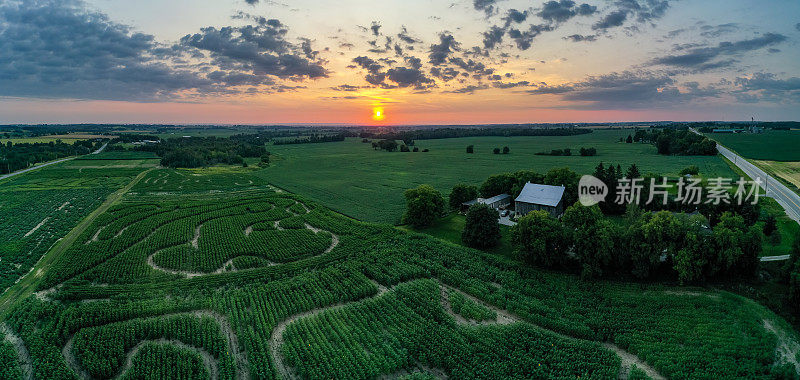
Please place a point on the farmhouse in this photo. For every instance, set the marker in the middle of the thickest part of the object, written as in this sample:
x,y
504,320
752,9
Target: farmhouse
x,y
496,202
540,197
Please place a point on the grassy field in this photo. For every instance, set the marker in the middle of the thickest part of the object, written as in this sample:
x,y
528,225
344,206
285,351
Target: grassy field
x,y
770,145
213,271
39,207
450,228
70,138
354,179
788,172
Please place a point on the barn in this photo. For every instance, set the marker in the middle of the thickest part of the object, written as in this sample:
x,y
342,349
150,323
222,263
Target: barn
x,y
496,202
540,197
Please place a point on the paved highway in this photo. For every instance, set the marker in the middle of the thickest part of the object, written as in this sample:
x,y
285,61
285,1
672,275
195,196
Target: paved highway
x,y
775,189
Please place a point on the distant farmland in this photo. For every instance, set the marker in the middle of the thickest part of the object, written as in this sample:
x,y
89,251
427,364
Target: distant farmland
x,y
354,179
770,145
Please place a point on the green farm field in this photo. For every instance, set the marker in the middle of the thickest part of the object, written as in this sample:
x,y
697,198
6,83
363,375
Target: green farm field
x,y
770,145
214,273
39,207
354,179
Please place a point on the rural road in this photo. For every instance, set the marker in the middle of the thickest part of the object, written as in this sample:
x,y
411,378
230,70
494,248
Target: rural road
x,y
34,168
776,190
101,148
788,199
2,177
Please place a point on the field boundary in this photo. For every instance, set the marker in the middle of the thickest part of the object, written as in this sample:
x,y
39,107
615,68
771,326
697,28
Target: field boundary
x,y
27,284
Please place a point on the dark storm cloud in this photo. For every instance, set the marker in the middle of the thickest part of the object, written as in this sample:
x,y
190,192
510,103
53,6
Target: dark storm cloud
x,y
563,10
439,53
486,6
705,58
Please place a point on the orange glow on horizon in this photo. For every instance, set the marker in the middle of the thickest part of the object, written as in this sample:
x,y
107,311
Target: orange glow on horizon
x,y
378,114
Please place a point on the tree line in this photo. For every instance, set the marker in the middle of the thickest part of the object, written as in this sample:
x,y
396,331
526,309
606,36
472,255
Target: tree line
x,y
316,138
15,157
447,133
653,244
195,152
675,141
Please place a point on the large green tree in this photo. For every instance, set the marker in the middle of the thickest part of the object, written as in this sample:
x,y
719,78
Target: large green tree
x,y
424,205
481,229
596,241
462,193
540,239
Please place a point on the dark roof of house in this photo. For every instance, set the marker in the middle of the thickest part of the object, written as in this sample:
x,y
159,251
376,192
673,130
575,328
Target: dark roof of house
x,y
544,195
487,201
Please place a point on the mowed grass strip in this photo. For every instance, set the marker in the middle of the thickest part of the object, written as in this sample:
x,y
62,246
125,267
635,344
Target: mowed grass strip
x,y
356,180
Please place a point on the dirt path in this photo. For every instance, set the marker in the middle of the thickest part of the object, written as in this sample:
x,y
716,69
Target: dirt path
x,y
96,236
37,226
211,364
196,238
228,265
28,283
787,349
23,356
503,318
276,338
242,367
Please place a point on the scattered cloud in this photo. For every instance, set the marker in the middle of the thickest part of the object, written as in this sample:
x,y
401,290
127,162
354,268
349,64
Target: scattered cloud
x,y
406,37
714,31
440,52
486,6
611,20
563,10
376,28
767,87
524,39
628,90
581,38
707,58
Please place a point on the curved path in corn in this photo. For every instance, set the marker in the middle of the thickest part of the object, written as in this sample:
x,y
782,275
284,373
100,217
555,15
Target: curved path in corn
x,y
503,317
211,363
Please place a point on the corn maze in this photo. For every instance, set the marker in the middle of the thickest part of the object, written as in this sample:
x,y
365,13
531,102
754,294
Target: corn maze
x,y
218,277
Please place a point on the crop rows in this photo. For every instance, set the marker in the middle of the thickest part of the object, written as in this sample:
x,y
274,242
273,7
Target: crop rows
x,y
283,271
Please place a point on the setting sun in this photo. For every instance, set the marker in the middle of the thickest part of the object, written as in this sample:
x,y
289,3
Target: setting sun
x,y
378,114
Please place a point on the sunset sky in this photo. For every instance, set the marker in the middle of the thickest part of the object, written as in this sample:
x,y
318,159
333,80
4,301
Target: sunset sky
x,y
420,61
